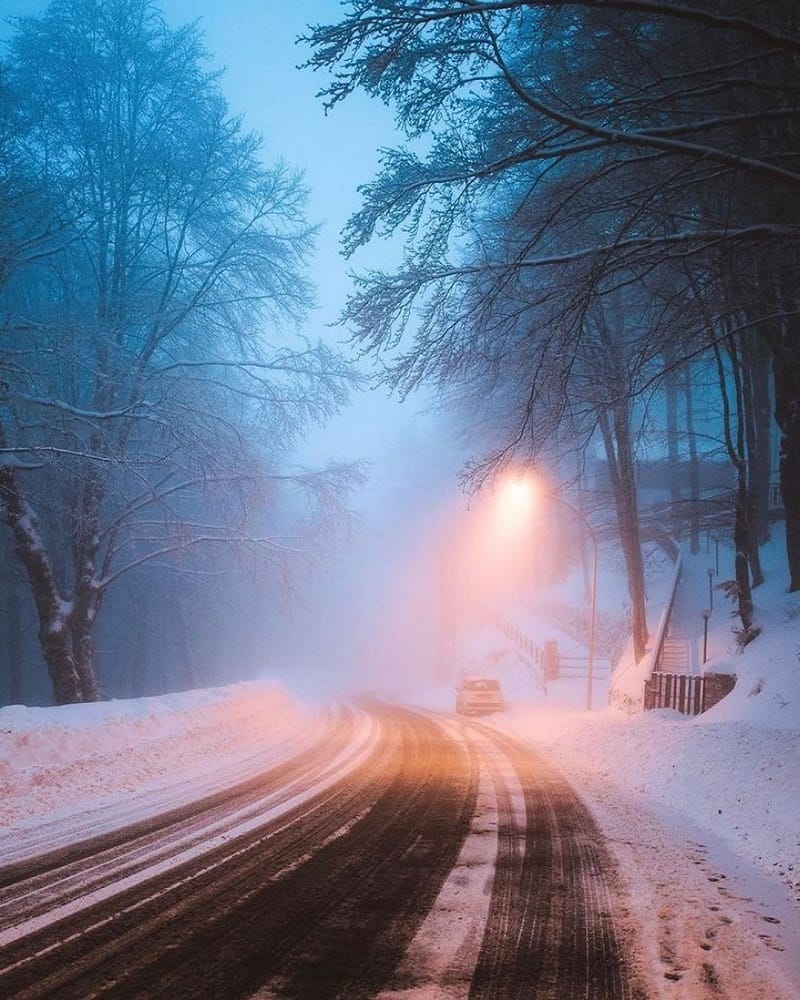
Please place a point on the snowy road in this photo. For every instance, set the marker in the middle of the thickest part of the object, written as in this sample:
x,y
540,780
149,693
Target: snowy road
x,y
402,854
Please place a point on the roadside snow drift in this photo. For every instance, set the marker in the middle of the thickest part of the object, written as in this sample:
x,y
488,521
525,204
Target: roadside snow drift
x,y
55,762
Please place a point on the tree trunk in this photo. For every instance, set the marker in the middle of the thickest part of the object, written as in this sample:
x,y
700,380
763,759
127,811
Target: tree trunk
x,y
15,671
756,484
617,441
787,413
741,542
783,340
790,495
673,453
52,611
10,627
760,456
735,446
694,467
56,645
83,651
88,597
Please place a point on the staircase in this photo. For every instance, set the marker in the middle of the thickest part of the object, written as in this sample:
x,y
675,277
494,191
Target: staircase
x,y
677,679
530,651
675,656
679,652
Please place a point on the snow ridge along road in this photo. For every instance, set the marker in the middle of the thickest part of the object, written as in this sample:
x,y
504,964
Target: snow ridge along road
x,y
402,855
70,880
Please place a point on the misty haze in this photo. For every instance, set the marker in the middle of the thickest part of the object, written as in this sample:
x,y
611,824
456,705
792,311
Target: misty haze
x,y
399,499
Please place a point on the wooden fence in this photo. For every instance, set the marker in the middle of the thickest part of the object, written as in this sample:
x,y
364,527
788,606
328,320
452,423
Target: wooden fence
x,y
686,693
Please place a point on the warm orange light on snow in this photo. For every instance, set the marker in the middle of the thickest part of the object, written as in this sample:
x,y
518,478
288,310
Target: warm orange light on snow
x,y
513,504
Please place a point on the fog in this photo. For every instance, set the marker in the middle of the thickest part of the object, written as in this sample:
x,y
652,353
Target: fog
x,y
371,617
367,613
397,607
195,442
360,603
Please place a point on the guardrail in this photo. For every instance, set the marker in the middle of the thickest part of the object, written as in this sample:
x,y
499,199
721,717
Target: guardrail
x,y
578,666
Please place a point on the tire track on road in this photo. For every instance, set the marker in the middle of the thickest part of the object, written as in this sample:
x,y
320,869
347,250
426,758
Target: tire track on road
x,y
320,902
341,889
394,864
64,958
36,886
550,932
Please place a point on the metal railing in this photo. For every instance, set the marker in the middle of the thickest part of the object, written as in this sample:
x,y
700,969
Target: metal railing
x,y
530,650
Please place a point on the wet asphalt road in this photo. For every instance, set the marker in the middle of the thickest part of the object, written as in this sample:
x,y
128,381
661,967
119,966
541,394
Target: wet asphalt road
x,y
344,872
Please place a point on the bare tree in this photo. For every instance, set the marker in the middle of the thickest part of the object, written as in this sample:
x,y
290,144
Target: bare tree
x,y
145,411
672,129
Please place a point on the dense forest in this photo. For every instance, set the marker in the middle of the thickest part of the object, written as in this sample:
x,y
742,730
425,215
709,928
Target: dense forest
x,y
600,209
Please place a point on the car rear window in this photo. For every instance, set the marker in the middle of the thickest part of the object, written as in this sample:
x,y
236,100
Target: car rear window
x,y
481,684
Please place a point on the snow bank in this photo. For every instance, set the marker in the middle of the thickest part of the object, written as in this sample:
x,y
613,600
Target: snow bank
x,y
737,780
734,772
58,761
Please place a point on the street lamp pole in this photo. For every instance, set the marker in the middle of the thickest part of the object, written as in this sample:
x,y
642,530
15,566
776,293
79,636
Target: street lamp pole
x,y
592,598
706,615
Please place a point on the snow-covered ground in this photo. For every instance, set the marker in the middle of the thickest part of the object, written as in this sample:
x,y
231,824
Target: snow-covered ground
x,y
703,813
733,772
131,758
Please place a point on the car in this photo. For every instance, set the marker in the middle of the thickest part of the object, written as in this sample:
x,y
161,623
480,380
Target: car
x,y
479,695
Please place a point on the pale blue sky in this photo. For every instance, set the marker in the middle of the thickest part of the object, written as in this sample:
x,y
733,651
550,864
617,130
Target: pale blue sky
x,y
255,41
